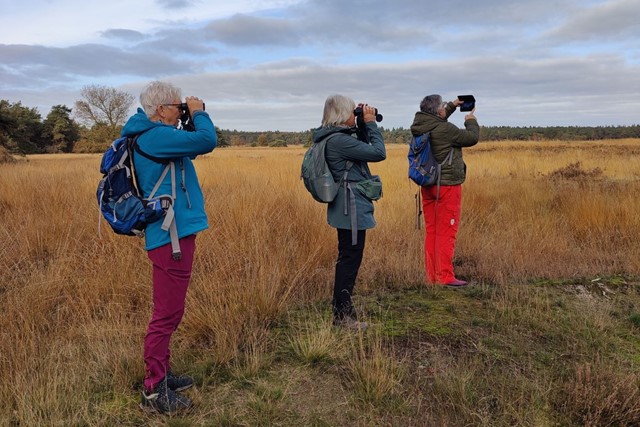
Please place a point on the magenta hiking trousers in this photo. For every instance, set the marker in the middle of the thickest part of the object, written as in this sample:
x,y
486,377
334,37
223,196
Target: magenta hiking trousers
x,y
170,283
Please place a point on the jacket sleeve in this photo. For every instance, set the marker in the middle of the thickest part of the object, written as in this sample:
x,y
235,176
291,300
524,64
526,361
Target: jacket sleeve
x,y
449,109
355,150
465,137
169,142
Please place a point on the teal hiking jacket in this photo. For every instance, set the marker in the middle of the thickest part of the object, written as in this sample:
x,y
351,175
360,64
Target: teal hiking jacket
x,y
164,141
341,148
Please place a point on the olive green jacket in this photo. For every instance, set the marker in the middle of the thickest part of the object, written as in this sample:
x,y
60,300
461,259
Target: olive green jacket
x,y
444,136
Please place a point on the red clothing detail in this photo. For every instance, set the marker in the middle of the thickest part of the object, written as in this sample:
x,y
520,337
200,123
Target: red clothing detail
x,y
441,219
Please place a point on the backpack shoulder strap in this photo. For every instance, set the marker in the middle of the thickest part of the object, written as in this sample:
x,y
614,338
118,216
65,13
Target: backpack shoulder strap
x,y
418,142
324,141
139,150
449,157
349,164
169,223
131,143
417,148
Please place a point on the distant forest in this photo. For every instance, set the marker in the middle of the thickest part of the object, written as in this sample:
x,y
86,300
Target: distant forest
x,y
96,123
403,136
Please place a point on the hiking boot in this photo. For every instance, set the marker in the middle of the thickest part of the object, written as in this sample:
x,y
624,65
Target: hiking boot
x,y
455,283
178,382
163,400
349,323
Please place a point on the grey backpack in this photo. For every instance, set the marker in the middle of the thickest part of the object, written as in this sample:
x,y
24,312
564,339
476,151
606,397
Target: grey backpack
x,y
316,175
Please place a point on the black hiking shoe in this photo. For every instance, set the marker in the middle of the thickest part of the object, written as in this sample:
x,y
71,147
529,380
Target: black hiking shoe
x,y
178,382
163,400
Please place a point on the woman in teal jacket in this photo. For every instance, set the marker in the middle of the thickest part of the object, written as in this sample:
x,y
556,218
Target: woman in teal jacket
x,y
351,212
159,139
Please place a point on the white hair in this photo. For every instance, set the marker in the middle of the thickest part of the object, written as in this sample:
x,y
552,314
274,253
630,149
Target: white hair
x,y
157,93
337,110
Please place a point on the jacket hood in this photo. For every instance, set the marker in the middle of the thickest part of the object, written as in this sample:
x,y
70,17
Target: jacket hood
x,y
138,123
424,122
323,132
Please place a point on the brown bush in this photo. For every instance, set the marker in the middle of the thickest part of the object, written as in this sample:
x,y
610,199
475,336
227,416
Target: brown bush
x,y
5,156
575,171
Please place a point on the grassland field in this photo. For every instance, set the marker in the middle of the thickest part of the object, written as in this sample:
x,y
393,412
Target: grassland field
x,y
547,335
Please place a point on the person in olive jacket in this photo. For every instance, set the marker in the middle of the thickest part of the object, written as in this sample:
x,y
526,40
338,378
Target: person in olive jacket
x,y
441,206
351,212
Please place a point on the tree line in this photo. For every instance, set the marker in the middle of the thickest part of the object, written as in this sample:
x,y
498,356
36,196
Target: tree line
x,y
97,119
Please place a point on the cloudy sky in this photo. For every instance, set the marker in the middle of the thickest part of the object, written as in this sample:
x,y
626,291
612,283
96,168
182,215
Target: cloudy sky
x,y
270,64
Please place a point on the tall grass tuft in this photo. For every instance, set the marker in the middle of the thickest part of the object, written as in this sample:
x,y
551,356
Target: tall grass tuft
x,y
373,372
315,342
600,396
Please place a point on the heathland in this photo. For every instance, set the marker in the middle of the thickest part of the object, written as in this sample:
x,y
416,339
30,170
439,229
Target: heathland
x,y
548,334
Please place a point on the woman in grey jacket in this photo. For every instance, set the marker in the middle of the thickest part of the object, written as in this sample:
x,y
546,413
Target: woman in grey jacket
x,y
351,212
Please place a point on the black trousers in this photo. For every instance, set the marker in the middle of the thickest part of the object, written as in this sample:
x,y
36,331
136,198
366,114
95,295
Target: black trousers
x,y
347,266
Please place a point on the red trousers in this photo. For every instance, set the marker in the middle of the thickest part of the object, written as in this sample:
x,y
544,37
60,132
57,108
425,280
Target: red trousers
x,y
441,218
170,283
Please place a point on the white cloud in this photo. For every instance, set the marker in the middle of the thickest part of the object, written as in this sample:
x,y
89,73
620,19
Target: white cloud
x,y
613,20
66,22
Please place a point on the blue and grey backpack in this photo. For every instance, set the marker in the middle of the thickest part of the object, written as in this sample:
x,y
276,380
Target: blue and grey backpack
x,y
424,169
120,201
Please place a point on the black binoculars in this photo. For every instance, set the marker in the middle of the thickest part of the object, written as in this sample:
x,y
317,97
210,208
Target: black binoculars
x,y
358,112
185,117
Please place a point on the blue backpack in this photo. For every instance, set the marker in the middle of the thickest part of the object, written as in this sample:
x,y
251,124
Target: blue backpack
x,y
424,169
119,200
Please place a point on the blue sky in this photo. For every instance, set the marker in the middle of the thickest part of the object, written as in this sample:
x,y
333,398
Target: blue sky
x,y
270,64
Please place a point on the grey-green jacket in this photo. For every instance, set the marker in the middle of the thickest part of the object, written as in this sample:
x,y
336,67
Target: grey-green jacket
x,y
444,136
341,148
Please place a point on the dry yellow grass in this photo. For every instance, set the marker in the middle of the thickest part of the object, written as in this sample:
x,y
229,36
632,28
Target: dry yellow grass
x,y
75,305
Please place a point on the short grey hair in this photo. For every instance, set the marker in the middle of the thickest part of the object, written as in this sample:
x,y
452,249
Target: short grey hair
x,y
157,93
431,104
337,110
